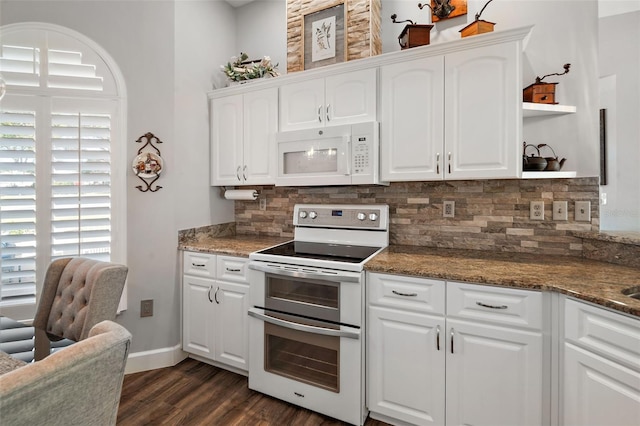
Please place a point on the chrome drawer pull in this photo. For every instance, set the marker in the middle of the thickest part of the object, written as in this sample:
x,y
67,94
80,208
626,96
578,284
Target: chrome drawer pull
x,y
404,294
209,294
438,337
232,270
215,296
484,305
452,334
198,265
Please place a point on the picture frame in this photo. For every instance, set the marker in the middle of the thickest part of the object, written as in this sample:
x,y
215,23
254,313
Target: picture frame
x,y
324,37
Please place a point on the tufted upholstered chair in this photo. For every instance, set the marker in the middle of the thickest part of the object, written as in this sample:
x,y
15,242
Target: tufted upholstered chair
x,y
77,294
78,385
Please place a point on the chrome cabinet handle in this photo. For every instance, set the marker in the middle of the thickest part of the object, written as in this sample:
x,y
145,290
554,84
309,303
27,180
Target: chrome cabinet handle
x,y
484,305
197,265
437,337
404,294
449,163
215,295
232,270
328,118
319,111
244,172
355,334
438,163
452,333
238,174
209,294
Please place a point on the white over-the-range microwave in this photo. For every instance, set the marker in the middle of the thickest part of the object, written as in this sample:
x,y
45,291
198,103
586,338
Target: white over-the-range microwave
x,y
337,155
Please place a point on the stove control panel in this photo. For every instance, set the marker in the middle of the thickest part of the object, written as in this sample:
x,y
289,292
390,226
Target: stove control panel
x,y
342,216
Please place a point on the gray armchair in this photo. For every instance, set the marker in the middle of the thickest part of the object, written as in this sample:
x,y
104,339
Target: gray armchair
x,y
78,385
77,294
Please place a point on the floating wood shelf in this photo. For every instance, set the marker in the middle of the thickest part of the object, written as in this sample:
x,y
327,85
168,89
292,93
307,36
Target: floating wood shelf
x,y
530,109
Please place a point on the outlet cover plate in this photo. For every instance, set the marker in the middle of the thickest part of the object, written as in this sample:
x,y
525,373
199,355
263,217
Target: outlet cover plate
x,y
146,308
448,209
536,210
560,210
583,211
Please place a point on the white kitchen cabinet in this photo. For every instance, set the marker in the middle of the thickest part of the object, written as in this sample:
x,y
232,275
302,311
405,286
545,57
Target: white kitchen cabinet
x,y
453,116
601,368
243,130
215,324
479,361
345,98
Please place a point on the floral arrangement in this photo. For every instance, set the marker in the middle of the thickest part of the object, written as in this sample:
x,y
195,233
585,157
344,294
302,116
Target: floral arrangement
x,y
240,69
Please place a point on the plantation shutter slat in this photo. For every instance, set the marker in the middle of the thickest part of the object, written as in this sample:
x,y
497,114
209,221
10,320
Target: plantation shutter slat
x,y
18,208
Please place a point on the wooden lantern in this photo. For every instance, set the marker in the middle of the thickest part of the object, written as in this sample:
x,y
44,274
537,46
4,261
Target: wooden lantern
x,y
478,26
415,35
540,93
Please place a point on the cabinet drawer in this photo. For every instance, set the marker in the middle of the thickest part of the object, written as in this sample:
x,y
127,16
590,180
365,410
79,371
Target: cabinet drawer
x,y
199,264
506,306
615,336
417,294
232,269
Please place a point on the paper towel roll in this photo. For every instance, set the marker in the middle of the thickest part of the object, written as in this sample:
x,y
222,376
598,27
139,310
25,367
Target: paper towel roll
x,y
241,194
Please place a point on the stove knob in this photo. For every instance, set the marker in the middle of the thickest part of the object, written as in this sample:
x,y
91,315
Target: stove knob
x,y
373,217
302,214
361,216
313,214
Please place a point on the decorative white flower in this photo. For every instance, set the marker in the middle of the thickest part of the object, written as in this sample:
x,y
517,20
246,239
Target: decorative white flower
x,y
240,68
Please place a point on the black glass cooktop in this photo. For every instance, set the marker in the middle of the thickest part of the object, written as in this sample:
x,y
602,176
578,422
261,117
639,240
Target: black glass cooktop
x,y
322,251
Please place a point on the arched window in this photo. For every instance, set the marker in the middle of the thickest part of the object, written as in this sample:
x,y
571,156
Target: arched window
x,y
62,157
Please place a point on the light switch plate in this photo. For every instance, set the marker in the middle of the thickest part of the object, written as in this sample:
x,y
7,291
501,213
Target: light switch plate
x,y
560,210
583,211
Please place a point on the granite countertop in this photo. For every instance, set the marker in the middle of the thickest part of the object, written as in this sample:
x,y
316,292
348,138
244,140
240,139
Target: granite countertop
x,y
594,281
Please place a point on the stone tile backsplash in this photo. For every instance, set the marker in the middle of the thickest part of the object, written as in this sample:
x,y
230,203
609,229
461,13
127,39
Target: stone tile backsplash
x,y
489,214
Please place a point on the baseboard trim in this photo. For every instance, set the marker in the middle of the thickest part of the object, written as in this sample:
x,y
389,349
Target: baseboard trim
x,y
157,358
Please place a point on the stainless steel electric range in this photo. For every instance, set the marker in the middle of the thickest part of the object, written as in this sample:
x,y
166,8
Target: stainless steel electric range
x,y
307,336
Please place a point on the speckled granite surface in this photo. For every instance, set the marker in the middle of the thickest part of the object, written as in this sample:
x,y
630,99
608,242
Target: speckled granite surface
x,y
590,280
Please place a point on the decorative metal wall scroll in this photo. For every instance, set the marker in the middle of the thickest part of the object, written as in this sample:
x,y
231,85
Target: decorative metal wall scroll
x,y
148,165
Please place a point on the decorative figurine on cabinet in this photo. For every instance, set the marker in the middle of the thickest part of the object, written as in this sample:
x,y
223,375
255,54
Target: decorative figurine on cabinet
x,y
413,34
543,93
478,26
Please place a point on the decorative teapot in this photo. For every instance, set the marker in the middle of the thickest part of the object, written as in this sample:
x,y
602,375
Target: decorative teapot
x,y
553,164
533,163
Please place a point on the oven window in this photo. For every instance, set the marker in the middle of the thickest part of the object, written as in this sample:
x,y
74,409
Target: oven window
x,y
322,293
305,357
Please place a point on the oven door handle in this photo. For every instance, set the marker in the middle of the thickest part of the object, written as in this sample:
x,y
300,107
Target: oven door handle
x,y
302,327
340,278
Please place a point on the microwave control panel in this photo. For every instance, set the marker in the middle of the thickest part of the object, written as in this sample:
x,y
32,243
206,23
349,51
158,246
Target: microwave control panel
x,y
361,152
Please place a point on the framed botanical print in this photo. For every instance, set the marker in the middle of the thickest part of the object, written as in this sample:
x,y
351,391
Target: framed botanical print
x,y
324,37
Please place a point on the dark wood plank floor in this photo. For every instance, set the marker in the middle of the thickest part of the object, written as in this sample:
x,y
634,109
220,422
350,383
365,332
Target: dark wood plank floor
x,y
195,393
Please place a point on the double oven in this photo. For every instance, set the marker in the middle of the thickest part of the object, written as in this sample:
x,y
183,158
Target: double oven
x,y
307,315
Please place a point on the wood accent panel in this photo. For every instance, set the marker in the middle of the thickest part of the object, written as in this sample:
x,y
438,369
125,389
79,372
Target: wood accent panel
x,y
362,24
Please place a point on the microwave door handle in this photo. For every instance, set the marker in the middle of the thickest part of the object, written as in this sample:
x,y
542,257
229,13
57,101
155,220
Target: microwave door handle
x,y
303,327
347,139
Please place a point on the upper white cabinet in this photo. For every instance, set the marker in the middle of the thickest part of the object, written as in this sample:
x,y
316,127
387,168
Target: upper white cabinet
x,y
243,130
344,98
453,116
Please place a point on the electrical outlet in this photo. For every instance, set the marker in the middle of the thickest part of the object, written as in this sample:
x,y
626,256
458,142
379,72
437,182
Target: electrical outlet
x,y
583,211
536,210
146,308
560,210
263,203
449,209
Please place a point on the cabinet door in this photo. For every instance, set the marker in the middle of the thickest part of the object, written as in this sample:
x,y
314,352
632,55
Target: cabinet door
x,y
483,125
260,127
350,97
406,366
197,316
494,375
232,326
302,105
598,391
226,140
412,99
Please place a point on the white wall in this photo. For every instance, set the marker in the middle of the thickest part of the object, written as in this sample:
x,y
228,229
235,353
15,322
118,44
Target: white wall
x,y
620,95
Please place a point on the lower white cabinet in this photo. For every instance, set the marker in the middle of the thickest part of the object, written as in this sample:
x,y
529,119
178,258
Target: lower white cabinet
x,y
466,363
601,377
214,310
